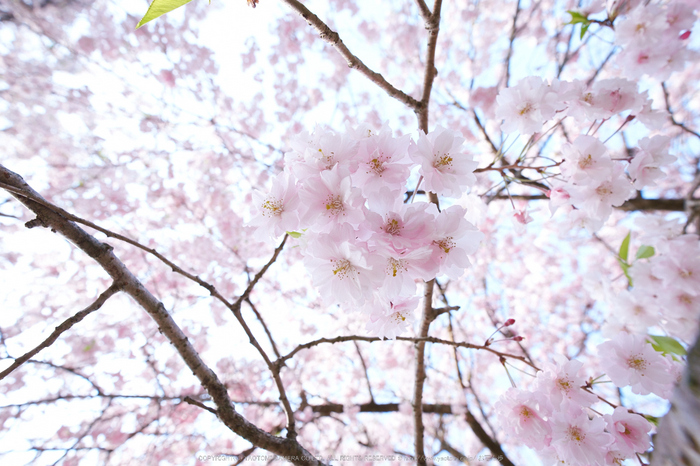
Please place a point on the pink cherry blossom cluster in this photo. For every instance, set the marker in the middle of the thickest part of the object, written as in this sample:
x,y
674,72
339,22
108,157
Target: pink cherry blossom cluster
x,y
666,286
527,106
556,417
365,247
654,39
591,182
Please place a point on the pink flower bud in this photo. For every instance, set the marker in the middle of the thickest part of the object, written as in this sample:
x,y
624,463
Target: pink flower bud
x,y
509,322
518,338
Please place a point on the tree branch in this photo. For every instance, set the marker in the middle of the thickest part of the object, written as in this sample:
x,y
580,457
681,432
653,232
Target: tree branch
x,y
235,307
333,38
637,203
364,367
670,113
433,27
513,33
103,254
63,327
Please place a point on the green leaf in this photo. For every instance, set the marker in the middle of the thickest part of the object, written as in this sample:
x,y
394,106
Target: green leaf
x,y
159,8
626,270
625,247
577,17
645,252
584,28
653,419
294,234
667,345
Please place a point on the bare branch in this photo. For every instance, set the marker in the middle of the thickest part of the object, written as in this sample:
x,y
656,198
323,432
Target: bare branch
x,y
364,367
333,38
433,27
423,10
670,113
192,401
513,34
420,373
637,203
235,307
267,330
458,344
63,327
259,275
103,254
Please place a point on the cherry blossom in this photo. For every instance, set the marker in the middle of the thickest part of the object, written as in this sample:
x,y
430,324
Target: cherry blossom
x,y
526,106
645,166
578,439
631,360
340,267
629,430
278,211
522,417
452,241
445,168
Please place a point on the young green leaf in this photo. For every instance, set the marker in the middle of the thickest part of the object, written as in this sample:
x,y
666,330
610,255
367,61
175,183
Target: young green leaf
x,y
626,269
625,247
577,17
294,234
159,8
654,420
645,252
584,28
667,345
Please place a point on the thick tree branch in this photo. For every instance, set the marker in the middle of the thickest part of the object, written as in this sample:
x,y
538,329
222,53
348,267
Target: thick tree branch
x,y
678,439
63,327
419,380
334,39
234,307
433,27
637,203
103,254
423,10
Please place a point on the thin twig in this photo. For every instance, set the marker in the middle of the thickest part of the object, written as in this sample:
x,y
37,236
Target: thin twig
x,y
194,402
670,113
364,367
49,216
267,330
341,339
333,38
63,327
513,34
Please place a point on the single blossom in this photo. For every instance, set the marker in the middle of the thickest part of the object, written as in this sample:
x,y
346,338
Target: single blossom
x,y
586,160
562,383
277,211
525,107
339,266
520,415
446,169
631,431
631,360
330,199
452,240
578,439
